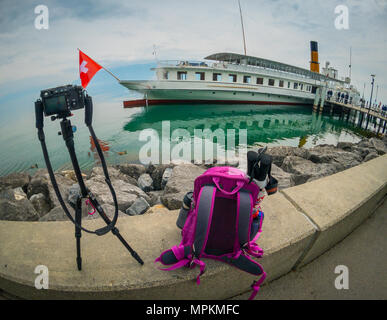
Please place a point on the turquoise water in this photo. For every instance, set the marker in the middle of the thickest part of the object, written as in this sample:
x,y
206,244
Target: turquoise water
x,y
120,129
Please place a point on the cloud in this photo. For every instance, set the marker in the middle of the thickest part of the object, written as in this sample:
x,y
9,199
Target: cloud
x,y
117,33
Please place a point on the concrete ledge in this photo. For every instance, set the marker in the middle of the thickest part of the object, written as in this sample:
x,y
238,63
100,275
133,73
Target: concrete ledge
x,y
337,204
109,272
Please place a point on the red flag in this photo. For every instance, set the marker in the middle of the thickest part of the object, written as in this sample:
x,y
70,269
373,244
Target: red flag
x,y
87,68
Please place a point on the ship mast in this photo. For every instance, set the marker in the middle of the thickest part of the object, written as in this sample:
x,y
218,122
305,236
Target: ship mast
x,y
243,29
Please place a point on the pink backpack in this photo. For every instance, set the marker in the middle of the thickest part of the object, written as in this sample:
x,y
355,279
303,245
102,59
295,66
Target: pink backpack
x,y
220,225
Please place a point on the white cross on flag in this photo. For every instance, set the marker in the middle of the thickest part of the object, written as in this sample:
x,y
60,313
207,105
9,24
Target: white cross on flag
x,y
87,68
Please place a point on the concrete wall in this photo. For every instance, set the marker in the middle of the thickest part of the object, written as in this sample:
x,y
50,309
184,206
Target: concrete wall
x,y
300,224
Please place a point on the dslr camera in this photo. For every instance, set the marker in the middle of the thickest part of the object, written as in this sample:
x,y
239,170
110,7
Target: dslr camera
x,y
62,100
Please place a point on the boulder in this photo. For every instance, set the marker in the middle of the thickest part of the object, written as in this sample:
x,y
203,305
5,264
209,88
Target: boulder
x,y
114,174
346,146
285,179
140,206
157,175
13,208
166,175
280,153
15,180
330,154
56,214
38,184
302,170
126,193
70,174
40,203
73,193
378,145
180,182
155,197
145,182
132,170
370,156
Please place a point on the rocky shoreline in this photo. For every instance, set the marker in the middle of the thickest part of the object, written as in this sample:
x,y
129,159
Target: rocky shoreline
x,y
139,188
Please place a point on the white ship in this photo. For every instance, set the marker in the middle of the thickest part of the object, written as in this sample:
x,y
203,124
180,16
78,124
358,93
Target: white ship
x,y
237,78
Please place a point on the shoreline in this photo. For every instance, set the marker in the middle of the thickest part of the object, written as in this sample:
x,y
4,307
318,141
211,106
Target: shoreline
x,y
25,197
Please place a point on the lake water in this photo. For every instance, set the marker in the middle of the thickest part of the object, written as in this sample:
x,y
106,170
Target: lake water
x,y
119,129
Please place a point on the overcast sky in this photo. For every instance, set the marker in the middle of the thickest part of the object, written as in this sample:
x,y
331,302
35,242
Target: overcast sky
x,y
118,33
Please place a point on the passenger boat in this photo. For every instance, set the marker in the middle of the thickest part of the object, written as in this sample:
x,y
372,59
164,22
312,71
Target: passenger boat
x,y
237,78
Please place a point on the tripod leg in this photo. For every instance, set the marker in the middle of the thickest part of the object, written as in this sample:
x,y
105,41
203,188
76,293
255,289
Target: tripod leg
x,y
78,234
134,254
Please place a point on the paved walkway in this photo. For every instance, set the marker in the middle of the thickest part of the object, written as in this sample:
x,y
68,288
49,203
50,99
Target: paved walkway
x,y
364,252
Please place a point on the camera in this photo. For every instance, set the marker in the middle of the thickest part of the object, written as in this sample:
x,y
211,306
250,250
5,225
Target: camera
x,y
61,100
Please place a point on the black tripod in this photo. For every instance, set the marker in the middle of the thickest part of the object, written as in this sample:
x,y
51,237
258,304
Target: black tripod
x,y
67,132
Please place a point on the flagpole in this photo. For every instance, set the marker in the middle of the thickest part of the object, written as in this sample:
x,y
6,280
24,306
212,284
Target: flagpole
x,y
108,71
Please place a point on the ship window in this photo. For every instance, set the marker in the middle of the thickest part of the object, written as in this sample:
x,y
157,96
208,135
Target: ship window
x,y
246,79
181,75
295,86
165,75
217,77
301,86
199,75
271,82
232,78
281,83
288,84
259,80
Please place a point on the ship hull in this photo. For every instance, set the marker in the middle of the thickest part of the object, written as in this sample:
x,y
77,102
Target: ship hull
x,y
157,92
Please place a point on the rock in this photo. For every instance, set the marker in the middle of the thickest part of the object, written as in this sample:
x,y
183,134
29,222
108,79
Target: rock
x,y
155,197
303,169
145,182
126,193
180,182
109,211
346,146
16,194
378,145
157,175
38,184
15,180
64,185
56,214
40,204
132,170
70,174
166,175
140,206
285,179
280,153
370,156
17,210
114,174
73,193
330,154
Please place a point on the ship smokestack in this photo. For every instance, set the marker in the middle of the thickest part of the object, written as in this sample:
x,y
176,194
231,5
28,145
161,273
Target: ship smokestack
x,y
314,64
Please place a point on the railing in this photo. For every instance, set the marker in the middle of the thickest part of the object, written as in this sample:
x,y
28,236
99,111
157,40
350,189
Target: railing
x,y
237,68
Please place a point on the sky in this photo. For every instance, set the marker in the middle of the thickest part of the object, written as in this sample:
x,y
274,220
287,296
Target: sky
x,y
120,35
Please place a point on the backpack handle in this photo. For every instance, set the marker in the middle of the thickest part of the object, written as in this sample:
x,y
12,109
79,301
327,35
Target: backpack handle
x,y
239,185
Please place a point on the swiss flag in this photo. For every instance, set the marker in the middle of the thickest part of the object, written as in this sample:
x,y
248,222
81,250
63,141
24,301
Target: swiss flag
x,y
87,68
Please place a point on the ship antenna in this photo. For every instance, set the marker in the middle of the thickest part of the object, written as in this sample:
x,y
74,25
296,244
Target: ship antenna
x,y
350,62
243,29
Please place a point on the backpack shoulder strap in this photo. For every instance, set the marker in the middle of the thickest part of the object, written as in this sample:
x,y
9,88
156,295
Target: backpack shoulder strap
x,y
245,206
245,263
205,206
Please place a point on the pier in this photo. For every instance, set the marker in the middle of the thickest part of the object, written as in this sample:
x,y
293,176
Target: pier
x,y
361,115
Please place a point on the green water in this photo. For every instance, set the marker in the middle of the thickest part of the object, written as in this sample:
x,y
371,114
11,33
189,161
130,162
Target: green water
x,y
120,129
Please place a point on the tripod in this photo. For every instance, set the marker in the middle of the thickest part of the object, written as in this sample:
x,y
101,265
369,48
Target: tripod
x,y
67,132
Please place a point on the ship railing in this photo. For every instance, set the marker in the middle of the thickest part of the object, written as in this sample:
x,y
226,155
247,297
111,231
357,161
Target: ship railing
x,y
240,68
